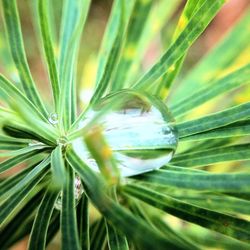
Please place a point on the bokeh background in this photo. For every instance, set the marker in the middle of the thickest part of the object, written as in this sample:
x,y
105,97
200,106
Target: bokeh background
x,y
90,43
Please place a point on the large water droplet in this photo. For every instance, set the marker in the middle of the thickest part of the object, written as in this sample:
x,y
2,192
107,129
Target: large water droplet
x,y
141,133
78,193
53,118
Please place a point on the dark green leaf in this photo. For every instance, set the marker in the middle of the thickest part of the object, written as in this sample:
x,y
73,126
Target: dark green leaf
x,y
41,223
68,216
214,155
15,39
215,120
225,224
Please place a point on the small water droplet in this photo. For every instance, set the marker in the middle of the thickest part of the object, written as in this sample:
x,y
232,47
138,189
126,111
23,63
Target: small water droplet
x,y
78,194
53,118
141,133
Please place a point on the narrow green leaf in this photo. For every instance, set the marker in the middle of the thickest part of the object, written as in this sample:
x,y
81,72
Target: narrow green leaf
x,y
216,62
13,94
199,181
10,232
14,34
48,48
225,224
98,235
112,28
159,15
130,48
8,206
8,183
118,216
215,120
114,53
68,216
40,227
222,154
223,85
9,163
186,38
175,235
73,20
54,226
57,167
241,128
83,222
44,129
8,143
36,171
16,130
220,203
115,240
167,79
25,150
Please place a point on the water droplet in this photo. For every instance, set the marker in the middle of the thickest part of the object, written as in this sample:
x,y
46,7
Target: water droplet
x,y
78,193
141,133
53,118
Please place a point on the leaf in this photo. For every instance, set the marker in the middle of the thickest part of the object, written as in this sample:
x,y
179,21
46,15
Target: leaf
x,y
40,227
83,222
98,235
13,94
8,143
23,150
136,25
111,31
68,216
222,154
117,215
241,128
7,164
22,132
113,52
8,206
8,183
15,40
225,224
54,226
115,240
223,85
219,203
177,237
73,20
9,233
216,62
57,167
159,15
48,48
186,38
36,171
200,181
214,120
167,79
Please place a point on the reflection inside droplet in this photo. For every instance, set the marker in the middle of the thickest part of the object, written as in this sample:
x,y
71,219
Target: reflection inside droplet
x,y
78,193
53,118
141,133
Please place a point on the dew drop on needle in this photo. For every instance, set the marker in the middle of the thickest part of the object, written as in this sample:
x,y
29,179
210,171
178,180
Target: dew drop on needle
x,y
140,131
